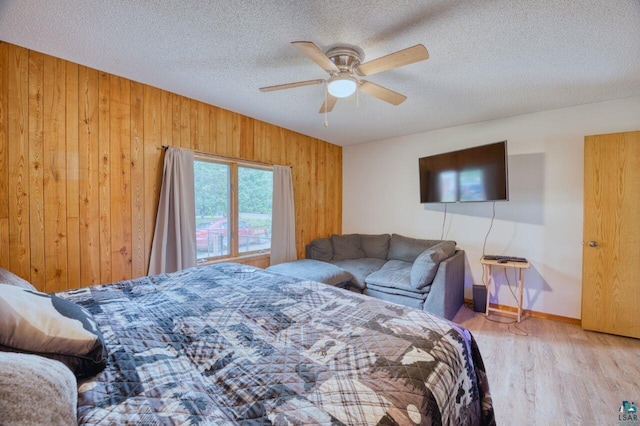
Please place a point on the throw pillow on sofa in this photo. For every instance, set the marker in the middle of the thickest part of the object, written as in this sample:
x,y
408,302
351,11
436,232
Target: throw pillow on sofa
x,y
347,246
321,249
376,246
408,249
426,264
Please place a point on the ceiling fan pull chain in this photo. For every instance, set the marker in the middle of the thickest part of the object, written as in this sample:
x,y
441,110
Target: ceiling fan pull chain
x,y
326,96
358,95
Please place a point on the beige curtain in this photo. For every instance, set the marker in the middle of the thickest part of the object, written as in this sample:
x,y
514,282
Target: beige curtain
x,y
283,235
174,240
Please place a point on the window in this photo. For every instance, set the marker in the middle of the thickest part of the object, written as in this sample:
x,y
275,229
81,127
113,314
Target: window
x,y
232,222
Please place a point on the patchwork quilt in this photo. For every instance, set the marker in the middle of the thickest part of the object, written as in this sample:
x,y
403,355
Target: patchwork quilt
x,y
229,344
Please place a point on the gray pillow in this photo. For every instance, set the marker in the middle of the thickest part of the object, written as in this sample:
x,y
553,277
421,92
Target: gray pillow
x,y
426,265
10,278
47,325
347,246
408,249
321,249
376,246
36,391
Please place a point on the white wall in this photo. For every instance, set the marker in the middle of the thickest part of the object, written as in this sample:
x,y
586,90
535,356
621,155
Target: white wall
x,y
542,221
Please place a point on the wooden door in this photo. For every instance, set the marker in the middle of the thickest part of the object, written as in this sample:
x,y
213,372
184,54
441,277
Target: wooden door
x,y
611,253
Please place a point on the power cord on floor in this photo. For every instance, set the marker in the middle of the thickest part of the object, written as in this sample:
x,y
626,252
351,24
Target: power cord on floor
x,y
510,323
522,332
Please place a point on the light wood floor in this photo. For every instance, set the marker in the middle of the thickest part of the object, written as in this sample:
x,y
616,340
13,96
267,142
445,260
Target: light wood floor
x,y
557,375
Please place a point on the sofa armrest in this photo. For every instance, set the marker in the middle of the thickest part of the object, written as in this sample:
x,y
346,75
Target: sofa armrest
x,y
447,290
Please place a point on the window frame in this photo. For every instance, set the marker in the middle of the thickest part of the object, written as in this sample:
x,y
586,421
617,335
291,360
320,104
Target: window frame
x,y
234,213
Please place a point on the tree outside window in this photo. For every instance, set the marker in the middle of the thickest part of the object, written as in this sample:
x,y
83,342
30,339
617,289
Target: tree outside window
x,y
232,222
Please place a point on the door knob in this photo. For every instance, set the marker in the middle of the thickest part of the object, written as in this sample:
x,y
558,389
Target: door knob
x,y
593,244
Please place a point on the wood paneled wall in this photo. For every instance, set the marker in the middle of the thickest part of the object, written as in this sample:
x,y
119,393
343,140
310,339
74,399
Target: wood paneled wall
x,y
81,167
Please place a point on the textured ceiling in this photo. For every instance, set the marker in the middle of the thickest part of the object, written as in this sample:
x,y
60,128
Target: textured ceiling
x,y
488,59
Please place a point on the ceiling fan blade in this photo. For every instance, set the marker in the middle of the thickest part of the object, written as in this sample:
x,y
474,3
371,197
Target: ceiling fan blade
x,y
400,58
291,85
316,55
381,93
327,106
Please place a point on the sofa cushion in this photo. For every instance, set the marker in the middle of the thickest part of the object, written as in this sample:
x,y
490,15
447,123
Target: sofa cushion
x,y
50,326
7,277
359,269
426,265
422,295
395,298
314,270
376,245
321,249
347,246
408,249
394,274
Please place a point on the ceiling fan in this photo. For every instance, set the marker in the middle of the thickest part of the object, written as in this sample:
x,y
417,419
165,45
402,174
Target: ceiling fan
x,y
345,67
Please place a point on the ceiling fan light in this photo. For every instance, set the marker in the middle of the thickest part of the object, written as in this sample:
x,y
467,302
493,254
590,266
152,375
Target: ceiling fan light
x,y
342,86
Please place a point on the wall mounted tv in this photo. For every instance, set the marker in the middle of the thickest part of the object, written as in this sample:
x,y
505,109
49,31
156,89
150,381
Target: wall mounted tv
x,y
473,174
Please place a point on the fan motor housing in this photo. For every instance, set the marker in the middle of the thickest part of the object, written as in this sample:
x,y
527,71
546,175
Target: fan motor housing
x,y
346,58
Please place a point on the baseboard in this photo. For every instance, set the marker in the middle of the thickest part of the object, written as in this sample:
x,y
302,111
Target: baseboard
x,y
536,314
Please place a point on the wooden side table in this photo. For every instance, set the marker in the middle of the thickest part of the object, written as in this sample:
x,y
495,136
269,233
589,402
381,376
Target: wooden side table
x,y
487,265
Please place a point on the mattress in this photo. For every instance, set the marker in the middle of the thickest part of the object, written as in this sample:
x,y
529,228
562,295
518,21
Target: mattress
x,y
229,344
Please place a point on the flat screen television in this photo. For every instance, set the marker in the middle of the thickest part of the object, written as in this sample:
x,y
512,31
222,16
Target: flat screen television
x,y
468,175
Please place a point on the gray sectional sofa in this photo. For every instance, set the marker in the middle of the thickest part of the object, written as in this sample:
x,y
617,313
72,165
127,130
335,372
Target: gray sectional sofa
x,y
423,274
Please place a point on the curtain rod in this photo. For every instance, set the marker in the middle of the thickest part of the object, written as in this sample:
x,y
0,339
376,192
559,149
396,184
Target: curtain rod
x,y
260,163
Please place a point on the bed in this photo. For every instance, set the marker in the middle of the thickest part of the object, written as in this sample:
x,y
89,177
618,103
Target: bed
x,y
228,344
